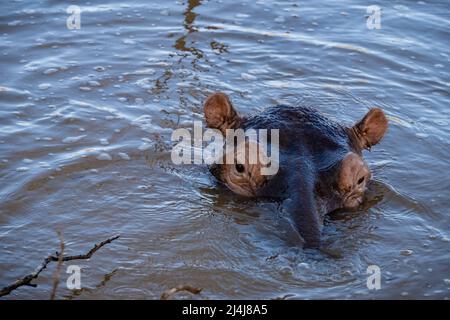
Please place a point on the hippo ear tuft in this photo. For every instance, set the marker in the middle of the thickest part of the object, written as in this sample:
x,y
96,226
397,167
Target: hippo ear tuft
x,y
371,129
219,112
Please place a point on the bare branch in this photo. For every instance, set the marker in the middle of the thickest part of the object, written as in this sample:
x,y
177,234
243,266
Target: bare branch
x,y
170,292
26,281
90,253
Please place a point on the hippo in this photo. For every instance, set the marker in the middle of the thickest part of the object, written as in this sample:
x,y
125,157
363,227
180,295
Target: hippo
x,y
321,168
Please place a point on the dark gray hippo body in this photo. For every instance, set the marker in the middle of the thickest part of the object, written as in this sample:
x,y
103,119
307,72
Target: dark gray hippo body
x,y
311,148
320,161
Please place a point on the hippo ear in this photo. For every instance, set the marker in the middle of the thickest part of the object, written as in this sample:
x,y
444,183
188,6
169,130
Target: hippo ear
x,y
370,129
219,112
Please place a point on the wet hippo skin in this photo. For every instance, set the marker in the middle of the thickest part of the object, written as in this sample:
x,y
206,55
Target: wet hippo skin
x,y
321,168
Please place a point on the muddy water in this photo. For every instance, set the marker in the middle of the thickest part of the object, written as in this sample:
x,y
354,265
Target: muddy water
x,y
85,123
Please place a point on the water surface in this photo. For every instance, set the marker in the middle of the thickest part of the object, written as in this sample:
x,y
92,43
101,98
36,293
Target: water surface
x,y
85,123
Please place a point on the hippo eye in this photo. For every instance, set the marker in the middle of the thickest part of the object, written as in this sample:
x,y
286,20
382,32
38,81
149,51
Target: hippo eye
x,y
240,168
360,180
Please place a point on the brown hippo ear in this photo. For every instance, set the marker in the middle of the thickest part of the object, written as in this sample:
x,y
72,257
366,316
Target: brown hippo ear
x,y
219,112
371,129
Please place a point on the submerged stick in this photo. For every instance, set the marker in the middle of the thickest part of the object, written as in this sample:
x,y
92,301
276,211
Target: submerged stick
x,y
58,267
26,281
170,292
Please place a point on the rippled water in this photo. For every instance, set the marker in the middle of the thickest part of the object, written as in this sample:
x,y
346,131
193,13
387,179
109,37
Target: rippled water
x,y
85,123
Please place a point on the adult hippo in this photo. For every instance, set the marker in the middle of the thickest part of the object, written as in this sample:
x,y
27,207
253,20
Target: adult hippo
x,y
321,168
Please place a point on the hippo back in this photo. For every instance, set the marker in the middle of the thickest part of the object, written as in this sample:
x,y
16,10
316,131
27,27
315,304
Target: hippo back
x,y
304,132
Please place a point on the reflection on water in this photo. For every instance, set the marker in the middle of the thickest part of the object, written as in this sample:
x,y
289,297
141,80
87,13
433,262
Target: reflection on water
x,y
189,19
85,129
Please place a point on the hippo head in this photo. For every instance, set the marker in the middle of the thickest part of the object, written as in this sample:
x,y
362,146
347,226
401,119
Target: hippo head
x,y
244,178
321,164
354,174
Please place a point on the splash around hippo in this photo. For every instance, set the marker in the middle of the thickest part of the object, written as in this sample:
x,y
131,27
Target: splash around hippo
x,y
321,168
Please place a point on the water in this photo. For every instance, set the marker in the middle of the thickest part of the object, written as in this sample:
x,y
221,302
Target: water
x,y
85,123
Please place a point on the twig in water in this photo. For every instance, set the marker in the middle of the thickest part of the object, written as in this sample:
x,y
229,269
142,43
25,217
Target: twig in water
x,y
26,281
170,292
60,255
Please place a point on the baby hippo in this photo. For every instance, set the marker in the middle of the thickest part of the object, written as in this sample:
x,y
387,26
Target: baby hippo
x,y
321,168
